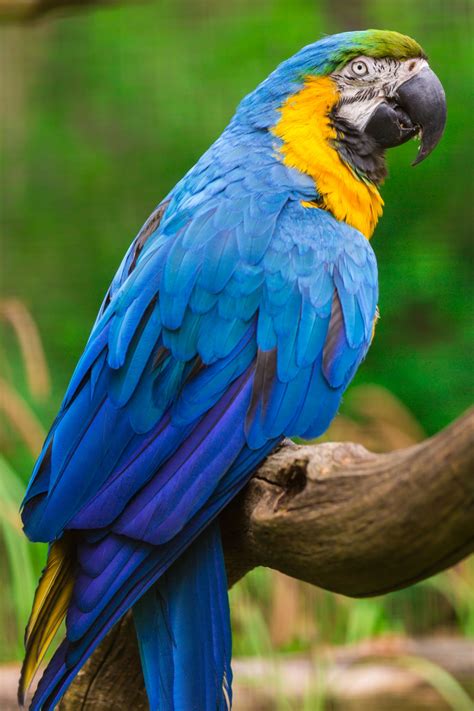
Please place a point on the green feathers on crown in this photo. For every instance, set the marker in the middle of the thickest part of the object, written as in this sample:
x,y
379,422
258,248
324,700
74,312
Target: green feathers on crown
x,y
377,44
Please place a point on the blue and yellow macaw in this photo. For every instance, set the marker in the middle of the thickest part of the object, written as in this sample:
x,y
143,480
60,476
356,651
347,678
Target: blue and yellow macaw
x,y
238,316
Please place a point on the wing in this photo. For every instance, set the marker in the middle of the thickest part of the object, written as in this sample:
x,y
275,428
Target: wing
x,y
314,326
232,321
246,293
175,331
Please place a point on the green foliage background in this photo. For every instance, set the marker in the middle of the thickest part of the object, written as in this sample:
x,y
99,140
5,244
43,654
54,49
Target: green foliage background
x,y
115,105
103,111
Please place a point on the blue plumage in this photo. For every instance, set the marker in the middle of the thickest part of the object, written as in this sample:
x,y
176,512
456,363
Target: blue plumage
x,y
237,317
189,601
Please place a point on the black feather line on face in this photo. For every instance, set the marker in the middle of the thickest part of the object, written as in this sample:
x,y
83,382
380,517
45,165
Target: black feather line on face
x,y
359,150
365,94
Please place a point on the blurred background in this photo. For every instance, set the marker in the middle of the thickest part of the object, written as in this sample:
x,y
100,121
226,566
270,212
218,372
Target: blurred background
x,y
101,111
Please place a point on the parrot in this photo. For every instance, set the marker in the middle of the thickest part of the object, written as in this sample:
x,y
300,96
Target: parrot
x,y
238,317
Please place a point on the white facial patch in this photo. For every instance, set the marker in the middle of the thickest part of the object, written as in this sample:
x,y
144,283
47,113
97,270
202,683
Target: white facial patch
x,y
365,82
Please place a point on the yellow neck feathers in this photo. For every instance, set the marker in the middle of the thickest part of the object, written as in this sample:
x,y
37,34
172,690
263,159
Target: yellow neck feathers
x,y
307,135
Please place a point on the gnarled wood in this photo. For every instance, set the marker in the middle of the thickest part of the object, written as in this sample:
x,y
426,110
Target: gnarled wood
x,y
334,515
354,522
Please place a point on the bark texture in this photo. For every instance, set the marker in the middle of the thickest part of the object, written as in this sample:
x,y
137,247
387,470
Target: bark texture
x,y
357,523
334,515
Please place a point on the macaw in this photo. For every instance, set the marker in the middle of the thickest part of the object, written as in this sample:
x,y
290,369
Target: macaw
x,y
238,317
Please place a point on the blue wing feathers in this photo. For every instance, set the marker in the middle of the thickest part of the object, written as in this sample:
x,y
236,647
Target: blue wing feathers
x,y
165,505
236,320
124,381
311,335
220,259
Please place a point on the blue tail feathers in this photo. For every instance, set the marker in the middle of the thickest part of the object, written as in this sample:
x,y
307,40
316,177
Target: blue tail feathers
x,y
183,630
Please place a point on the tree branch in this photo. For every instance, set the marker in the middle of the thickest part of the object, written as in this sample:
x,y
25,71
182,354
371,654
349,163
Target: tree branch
x,y
334,515
354,522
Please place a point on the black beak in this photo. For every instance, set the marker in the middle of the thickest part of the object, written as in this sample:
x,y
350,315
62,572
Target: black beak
x,y
419,107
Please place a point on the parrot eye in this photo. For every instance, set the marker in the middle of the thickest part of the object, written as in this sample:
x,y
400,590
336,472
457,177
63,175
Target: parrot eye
x,y
359,68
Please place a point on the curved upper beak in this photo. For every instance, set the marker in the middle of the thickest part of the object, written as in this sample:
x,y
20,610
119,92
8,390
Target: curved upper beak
x,y
424,100
419,108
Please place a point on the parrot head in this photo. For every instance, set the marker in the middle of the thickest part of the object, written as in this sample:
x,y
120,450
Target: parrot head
x,y
388,94
338,104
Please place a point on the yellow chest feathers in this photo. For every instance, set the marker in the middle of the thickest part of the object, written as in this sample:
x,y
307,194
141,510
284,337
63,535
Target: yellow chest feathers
x,y
308,138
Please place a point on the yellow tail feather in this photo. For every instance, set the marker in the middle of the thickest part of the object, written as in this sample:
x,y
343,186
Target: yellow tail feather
x,y
52,598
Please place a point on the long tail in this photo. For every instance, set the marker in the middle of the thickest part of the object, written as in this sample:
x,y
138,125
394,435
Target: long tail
x,y
183,630
50,605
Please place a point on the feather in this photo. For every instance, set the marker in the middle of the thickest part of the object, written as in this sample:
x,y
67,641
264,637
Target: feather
x,y
174,639
50,604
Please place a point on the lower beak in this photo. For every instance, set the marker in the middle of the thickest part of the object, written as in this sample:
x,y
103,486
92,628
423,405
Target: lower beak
x,y
419,107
